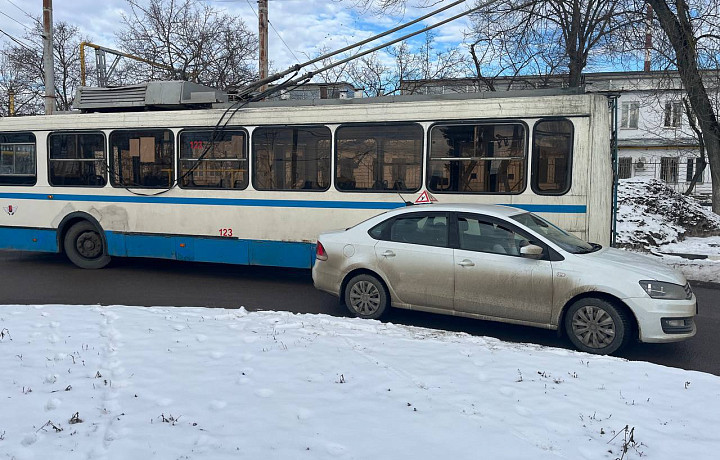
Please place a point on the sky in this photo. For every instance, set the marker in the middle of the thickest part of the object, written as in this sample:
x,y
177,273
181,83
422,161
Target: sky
x,y
305,26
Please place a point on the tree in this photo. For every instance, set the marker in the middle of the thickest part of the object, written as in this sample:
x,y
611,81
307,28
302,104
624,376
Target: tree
x,y
25,67
689,43
536,35
25,93
203,44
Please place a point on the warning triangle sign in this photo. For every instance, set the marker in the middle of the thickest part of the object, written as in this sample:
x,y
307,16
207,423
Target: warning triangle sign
x,y
425,198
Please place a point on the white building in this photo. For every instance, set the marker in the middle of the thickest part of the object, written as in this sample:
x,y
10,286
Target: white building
x,y
655,137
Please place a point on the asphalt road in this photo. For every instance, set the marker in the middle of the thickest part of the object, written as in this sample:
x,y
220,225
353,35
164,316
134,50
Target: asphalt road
x,y
28,278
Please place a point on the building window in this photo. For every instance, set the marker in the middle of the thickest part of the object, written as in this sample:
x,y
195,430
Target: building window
x,y
291,158
142,158
691,168
477,158
629,115
17,159
212,159
673,114
77,159
624,167
379,157
669,169
552,157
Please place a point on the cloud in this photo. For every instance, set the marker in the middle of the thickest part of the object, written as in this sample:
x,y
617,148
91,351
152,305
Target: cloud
x,y
306,26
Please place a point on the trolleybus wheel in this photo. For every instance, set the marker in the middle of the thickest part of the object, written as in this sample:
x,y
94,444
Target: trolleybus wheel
x,y
85,246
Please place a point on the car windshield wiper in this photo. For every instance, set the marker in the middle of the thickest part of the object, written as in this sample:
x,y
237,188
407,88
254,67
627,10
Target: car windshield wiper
x,y
594,248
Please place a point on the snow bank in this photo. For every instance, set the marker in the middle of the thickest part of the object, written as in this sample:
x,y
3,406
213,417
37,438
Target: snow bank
x,y
651,215
196,383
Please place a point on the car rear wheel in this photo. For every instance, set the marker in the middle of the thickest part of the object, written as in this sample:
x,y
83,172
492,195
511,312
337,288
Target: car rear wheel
x,y
365,297
85,246
597,326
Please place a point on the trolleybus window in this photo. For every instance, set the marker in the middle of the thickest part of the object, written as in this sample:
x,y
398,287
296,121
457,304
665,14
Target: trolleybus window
x,y
552,157
379,157
291,158
77,159
218,161
477,158
142,158
17,159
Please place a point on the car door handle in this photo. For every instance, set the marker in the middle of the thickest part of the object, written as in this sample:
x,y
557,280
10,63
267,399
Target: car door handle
x,y
388,253
467,263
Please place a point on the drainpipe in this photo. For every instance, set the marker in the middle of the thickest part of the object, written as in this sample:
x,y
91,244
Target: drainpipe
x,y
614,149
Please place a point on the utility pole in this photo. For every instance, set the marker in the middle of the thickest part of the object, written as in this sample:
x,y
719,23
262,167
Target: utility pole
x,y
648,37
48,59
11,102
263,36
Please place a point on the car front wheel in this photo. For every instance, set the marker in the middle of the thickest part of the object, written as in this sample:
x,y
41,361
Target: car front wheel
x,y
365,297
597,326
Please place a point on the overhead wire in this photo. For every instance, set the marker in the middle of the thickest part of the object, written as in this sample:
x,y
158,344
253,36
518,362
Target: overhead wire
x,y
23,11
274,29
13,19
257,84
293,82
16,40
310,74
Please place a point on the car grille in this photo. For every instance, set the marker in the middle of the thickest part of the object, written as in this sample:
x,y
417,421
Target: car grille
x,y
688,291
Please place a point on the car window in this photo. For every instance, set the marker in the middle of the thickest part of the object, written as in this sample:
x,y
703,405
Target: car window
x,y
477,234
423,229
565,240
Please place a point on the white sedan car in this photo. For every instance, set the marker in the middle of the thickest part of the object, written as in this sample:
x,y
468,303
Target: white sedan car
x,y
504,264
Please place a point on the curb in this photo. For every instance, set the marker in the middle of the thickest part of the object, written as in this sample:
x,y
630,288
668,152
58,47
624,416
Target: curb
x,y
691,256
704,284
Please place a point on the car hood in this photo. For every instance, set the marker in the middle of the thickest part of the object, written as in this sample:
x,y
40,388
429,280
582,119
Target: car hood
x,y
647,267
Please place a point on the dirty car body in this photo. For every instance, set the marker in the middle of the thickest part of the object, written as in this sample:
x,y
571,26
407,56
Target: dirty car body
x,y
504,264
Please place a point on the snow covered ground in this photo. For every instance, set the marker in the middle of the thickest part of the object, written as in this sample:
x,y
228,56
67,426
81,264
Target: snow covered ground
x,y
654,218
168,383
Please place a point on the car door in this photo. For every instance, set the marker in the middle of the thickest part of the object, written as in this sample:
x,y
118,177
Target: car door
x,y
493,279
414,255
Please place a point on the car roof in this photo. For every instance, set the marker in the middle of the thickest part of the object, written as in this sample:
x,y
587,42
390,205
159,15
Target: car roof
x,y
497,210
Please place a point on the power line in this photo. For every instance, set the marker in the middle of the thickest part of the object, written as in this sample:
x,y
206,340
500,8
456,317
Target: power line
x,y
24,12
274,30
281,39
13,19
17,41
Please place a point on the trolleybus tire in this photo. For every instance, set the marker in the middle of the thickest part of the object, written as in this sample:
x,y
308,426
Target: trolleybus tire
x,y
85,246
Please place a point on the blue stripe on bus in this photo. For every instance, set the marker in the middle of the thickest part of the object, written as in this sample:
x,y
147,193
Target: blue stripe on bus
x,y
28,239
556,208
188,248
551,208
218,250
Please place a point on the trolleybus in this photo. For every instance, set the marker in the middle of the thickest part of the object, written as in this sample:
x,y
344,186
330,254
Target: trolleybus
x,y
176,184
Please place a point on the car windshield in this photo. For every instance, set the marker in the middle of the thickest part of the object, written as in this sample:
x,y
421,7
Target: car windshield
x,y
565,240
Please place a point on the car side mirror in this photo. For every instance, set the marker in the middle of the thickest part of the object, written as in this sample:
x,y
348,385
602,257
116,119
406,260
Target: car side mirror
x,y
531,251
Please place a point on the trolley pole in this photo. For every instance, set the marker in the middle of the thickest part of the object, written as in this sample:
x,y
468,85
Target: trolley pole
x,y
48,60
263,36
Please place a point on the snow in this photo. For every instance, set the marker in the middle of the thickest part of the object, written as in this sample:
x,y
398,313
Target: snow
x,y
650,215
654,218
198,383
709,246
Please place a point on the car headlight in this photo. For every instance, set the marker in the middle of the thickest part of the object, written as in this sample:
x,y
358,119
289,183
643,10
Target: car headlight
x,y
663,290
